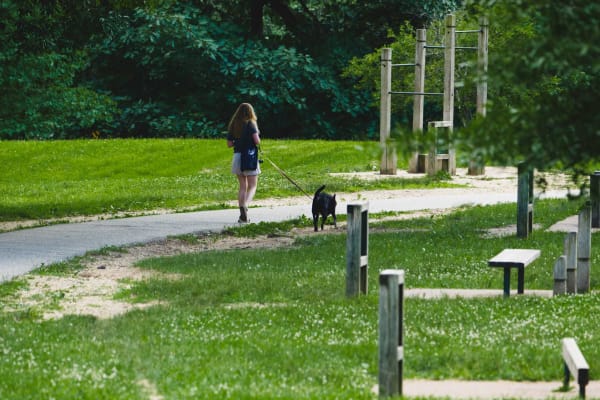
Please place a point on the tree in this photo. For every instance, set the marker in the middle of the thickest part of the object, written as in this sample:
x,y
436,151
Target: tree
x,y
37,75
173,68
176,72
550,120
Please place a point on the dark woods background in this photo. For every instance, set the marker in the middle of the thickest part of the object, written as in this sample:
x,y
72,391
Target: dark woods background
x,y
159,68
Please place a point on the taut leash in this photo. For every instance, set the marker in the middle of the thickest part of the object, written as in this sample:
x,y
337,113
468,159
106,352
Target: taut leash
x,y
282,172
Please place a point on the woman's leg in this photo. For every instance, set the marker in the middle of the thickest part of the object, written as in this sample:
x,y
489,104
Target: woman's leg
x,y
242,192
252,182
242,198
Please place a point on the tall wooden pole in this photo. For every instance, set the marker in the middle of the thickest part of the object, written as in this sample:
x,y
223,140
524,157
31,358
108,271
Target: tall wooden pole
x,y
476,167
482,65
449,66
418,101
388,157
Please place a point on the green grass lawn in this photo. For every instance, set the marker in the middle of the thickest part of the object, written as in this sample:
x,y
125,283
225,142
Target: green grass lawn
x,y
275,323
56,179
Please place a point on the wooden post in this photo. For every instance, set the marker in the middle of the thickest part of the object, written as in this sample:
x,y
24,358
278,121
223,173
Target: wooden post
x,y
482,64
560,276
524,201
391,351
357,247
570,252
418,101
477,167
449,66
595,198
388,157
584,246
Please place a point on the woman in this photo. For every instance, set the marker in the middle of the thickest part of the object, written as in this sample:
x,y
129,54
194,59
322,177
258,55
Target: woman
x,y
241,132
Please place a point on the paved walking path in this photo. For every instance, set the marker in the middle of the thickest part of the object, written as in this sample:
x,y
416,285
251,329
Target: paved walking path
x,y
457,389
24,250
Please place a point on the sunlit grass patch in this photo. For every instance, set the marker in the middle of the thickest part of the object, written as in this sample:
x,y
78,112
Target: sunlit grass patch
x,y
43,180
514,339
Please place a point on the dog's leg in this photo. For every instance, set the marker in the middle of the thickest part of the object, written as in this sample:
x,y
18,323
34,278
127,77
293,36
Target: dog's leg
x,y
323,217
334,220
316,221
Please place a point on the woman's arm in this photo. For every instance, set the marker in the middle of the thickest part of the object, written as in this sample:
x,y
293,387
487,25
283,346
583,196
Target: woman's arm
x,y
256,138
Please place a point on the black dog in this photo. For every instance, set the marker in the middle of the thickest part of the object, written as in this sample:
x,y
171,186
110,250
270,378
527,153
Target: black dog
x,y
323,204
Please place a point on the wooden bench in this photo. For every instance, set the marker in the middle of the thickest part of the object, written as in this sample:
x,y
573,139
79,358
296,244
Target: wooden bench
x,y
575,365
514,258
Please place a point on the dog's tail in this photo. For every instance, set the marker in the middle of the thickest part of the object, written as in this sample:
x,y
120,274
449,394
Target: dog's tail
x,y
319,190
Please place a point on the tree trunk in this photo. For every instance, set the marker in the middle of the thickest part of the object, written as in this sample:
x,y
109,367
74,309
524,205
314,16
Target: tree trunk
x,y
256,17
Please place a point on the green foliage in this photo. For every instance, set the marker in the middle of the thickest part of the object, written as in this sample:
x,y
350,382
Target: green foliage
x,y
549,119
164,68
167,57
367,72
40,98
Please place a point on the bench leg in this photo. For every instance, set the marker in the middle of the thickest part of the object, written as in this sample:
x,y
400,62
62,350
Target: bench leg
x,y
521,282
506,281
567,377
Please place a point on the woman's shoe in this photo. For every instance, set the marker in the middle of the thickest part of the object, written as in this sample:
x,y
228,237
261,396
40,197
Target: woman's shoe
x,y
243,215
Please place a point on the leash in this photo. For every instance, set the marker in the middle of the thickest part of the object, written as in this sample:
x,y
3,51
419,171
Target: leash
x,y
286,176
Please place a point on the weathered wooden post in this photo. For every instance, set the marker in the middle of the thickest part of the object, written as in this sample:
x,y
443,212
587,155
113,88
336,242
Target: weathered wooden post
x,y
477,167
449,66
357,249
570,253
595,198
584,247
418,100
524,200
391,351
388,157
560,276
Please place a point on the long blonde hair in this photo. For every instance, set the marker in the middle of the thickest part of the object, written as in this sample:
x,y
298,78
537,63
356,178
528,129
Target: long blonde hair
x,y
243,114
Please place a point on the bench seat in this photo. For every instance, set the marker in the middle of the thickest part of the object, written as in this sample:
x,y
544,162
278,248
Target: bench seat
x,y
575,365
514,258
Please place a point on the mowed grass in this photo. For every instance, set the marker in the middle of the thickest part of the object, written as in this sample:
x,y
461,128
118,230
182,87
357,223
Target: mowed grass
x,y
275,323
56,179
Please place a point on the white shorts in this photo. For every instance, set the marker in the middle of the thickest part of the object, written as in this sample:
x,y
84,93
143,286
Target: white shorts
x,y
236,168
